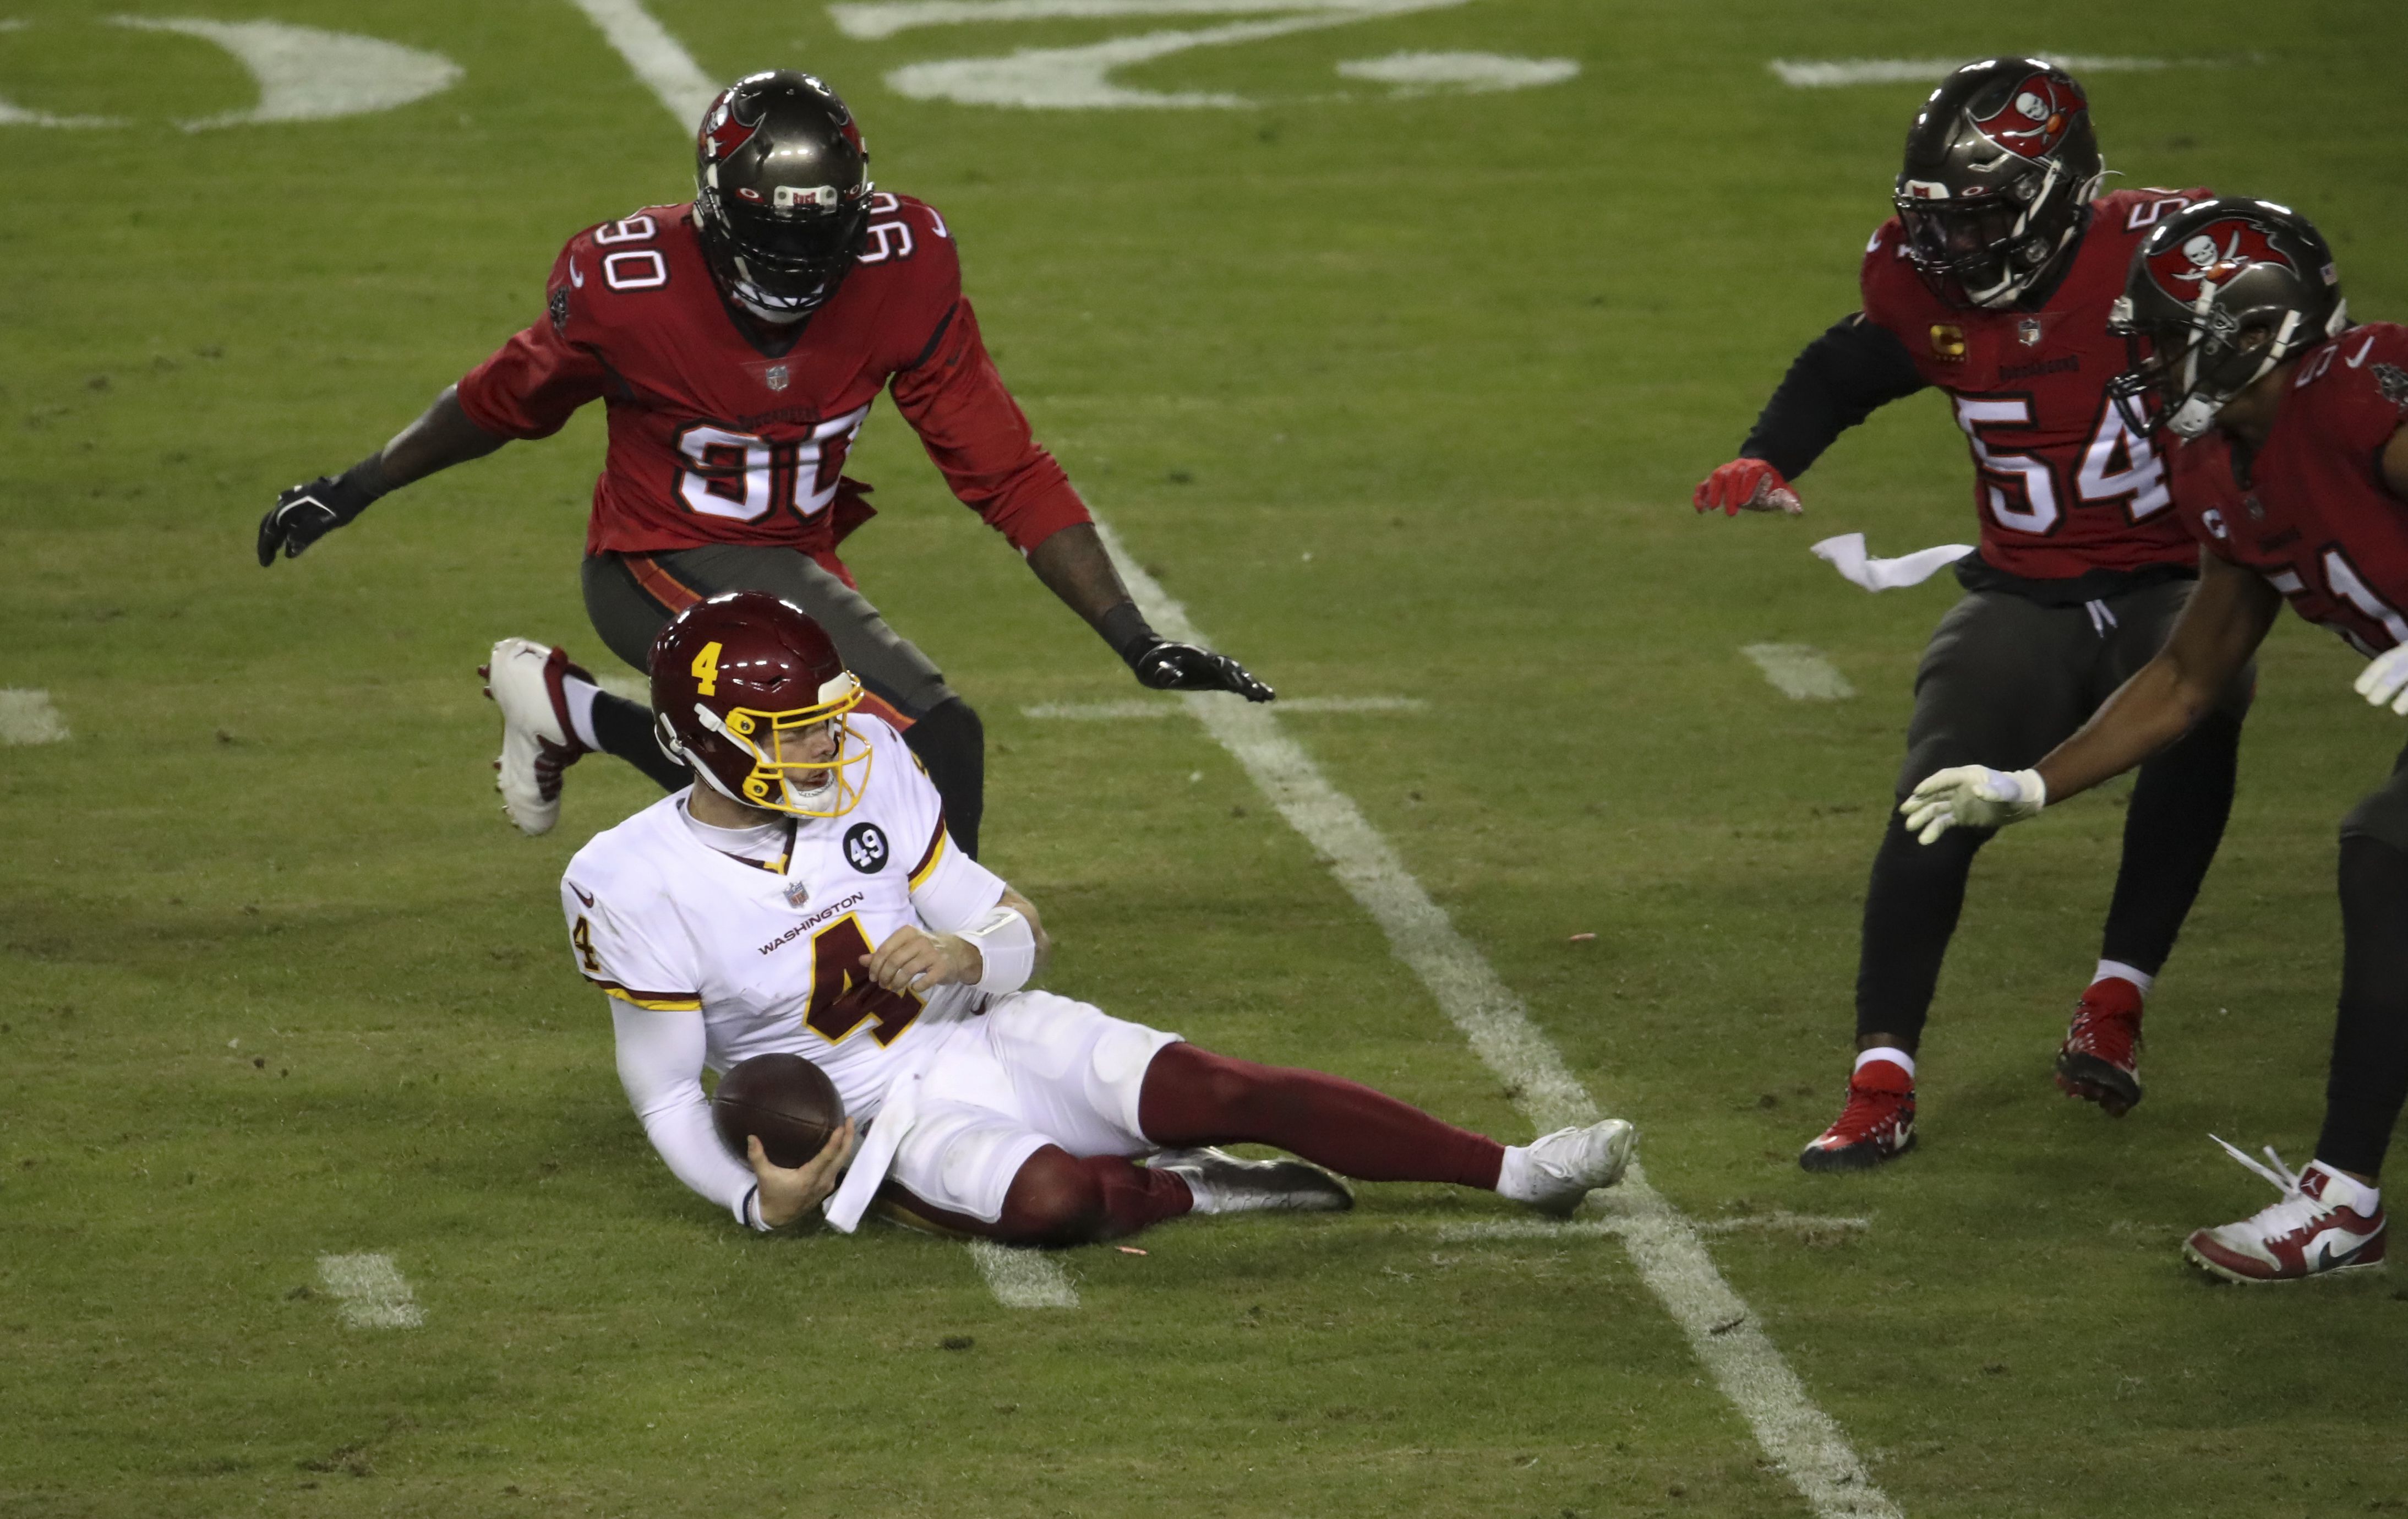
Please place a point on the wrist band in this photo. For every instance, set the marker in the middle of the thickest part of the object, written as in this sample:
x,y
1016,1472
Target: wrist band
x,y
368,477
1007,948
1125,629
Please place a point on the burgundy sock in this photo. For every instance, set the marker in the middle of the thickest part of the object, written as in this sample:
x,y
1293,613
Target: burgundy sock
x,y
1192,1096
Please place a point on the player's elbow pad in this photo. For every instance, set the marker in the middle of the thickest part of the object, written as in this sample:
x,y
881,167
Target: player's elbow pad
x,y
1007,946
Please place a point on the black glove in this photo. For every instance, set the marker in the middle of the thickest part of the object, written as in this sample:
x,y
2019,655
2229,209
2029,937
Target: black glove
x,y
1184,667
306,512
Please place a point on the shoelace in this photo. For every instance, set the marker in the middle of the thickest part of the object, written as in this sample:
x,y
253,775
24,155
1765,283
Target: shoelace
x,y
2294,1209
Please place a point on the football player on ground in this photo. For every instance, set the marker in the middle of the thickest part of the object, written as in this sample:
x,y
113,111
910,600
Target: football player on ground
x,y
1993,284
2294,479
738,342
803,896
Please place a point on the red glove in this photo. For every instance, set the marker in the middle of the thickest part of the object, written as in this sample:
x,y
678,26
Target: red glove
x,y
1746,485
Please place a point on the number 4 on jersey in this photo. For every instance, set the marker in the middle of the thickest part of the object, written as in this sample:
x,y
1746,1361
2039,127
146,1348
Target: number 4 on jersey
x,y
843,997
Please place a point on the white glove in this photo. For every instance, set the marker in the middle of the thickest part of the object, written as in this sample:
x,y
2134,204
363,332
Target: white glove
x,y
1972,796
2383,682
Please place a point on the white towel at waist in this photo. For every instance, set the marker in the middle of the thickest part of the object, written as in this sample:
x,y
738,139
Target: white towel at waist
x,y
1846,554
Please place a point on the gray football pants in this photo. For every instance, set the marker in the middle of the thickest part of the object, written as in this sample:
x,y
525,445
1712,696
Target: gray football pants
x,y
2004,681
631,598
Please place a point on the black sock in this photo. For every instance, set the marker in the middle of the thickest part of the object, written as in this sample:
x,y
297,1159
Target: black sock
x,y
1911,909
626,729
2176,819
951,743
2369,1051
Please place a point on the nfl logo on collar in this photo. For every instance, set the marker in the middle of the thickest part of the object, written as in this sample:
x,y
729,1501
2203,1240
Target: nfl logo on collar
x,y
797,894
2028,332
774,377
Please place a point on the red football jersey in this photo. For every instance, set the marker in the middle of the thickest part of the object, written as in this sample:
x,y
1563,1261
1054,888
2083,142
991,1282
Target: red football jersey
x,y
2315,517
2061,484
724,432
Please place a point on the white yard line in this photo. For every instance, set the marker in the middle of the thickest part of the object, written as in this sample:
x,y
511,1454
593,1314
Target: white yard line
x,y
375,1294
28,716
1024,1278
658,59
1143,707
870,20
1666,1247
1779,1221
1833,72
1801,671
1809,1449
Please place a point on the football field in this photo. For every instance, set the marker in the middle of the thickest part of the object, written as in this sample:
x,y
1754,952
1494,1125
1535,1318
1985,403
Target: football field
x,y
1389,337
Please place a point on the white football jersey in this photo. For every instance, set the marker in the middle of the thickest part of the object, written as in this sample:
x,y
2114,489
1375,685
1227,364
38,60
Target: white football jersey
x,y
770,950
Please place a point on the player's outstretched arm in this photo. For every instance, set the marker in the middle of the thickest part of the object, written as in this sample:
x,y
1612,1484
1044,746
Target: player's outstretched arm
x,y
440,438
786,1195
2226,618
1075,566
1839,380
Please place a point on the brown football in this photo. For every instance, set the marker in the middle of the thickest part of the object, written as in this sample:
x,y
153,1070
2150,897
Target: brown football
x,y
785,1099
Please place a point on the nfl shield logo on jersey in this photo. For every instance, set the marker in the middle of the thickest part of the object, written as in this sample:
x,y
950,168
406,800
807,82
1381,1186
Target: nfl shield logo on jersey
x,y
797,894
2028,332
774,377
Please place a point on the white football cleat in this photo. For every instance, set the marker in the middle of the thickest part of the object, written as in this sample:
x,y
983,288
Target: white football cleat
x,y
2311,1232
1222,1183
537,742
1555,1171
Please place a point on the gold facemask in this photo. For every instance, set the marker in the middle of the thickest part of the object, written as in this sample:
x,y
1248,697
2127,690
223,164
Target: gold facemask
x,y
782,780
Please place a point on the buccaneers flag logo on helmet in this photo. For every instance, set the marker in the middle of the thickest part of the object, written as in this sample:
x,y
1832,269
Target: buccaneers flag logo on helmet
x,y
721,132
2211,256
2033,119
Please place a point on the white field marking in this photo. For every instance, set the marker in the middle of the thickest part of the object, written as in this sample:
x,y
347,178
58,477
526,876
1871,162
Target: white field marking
x,y
1832,73
659,60
28,717
1799,672
1468,73
633,686
870,22
1024,1278
1079,79
1779,1221
375,1294
1664,1246
1809,1449
1141,707
307,75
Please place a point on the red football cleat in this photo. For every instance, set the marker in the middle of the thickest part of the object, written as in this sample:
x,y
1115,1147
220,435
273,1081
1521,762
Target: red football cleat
x,y
2099,1061
2303,1235
1877,1125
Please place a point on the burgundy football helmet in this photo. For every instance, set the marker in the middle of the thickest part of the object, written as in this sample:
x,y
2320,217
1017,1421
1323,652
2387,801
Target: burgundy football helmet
x,y
2216,298
1999,166
741,685
781,193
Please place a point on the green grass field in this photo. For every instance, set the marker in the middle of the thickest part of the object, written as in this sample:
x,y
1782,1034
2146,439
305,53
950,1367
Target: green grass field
x,y
1401,395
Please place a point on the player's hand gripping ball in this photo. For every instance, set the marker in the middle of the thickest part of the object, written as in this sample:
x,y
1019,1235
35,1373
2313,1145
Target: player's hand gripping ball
x,y
785,1100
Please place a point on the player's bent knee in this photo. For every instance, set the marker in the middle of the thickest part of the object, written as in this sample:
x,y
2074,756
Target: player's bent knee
x,y
1053,1201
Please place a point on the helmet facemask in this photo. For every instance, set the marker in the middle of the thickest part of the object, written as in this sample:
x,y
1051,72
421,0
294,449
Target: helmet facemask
x,y
1988,250
780,269
783,762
